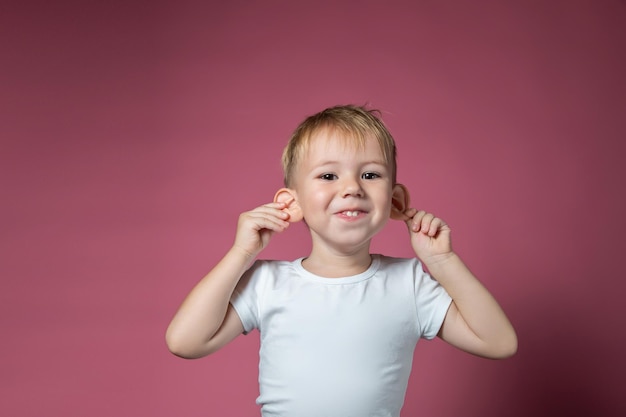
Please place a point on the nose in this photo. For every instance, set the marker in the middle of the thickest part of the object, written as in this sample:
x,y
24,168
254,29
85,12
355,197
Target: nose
x,y
351,187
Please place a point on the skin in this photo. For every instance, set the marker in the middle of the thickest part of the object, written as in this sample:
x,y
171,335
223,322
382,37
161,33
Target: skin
x,y
345,196
338,187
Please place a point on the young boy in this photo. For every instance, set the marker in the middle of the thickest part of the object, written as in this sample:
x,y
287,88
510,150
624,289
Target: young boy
x,y
338,327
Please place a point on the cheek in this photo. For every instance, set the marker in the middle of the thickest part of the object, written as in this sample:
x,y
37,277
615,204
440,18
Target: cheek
x,y
315,198
320,196
383,201
382,192
386,210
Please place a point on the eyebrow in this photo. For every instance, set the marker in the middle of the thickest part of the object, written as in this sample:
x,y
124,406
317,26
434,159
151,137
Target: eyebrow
x,y
372,162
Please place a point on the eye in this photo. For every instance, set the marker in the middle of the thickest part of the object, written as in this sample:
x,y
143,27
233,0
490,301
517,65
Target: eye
x,y
370,175
328,177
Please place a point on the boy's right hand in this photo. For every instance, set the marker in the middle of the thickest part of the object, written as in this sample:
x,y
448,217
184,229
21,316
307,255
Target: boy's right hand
x,y
256,227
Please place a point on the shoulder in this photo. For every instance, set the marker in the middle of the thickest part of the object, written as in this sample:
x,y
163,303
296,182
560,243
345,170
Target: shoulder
x,y
250,294
264,273
404,265
272,267
409,269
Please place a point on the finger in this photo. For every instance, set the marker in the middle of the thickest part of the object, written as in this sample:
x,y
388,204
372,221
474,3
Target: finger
x,y
269,220
408,214
257,220
276,205
427,221
267,208
435,226
416,223
272,209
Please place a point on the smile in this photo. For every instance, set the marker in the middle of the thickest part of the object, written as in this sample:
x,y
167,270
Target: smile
x,y
352,213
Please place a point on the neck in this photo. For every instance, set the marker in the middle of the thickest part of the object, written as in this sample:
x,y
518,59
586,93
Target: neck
x,y
334,264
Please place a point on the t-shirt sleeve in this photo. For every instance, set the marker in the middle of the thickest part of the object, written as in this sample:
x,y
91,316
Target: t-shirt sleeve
x,y
432,302
246,296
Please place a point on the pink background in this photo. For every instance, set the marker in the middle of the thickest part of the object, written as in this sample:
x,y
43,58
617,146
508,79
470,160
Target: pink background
x,y
134,133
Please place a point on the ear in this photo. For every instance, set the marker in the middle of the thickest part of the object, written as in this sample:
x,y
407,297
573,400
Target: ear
x,y
400,202
288,196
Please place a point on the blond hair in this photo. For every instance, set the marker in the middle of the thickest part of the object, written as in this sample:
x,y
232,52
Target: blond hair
x,y
355,122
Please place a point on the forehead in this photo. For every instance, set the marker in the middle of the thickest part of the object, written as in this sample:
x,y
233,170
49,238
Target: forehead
x,y
335,143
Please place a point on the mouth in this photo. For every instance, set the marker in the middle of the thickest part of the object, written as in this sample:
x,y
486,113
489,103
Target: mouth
x,y
352,213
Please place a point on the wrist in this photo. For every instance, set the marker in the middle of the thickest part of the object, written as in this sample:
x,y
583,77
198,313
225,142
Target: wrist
x,y
242,254
448,270
437,262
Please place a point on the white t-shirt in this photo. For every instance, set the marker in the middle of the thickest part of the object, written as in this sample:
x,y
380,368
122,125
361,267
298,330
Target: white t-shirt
x,y
338,346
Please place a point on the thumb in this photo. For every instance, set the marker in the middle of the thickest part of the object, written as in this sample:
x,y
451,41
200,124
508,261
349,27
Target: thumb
x,y
408,214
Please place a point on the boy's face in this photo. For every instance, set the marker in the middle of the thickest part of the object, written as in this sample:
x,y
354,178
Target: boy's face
x,y
344,190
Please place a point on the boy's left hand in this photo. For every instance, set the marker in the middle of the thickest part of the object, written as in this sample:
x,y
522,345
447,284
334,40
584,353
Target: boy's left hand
x,y
430,236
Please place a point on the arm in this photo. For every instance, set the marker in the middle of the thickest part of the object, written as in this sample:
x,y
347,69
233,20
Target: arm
x,y
474,322
205,321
